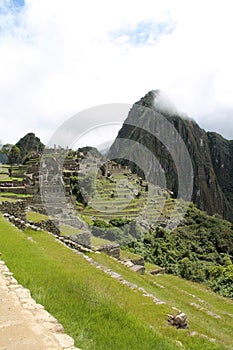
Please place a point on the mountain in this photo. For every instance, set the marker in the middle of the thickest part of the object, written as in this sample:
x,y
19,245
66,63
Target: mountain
x,y
211,155
221,151
29,144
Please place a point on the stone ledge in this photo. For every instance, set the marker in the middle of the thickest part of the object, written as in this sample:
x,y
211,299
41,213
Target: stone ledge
x,y
45,323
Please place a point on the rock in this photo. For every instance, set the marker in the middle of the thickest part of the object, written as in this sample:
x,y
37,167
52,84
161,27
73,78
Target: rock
x,y
112,250
54,327
157,271
179,320
138,261
138,268
128,263
64,340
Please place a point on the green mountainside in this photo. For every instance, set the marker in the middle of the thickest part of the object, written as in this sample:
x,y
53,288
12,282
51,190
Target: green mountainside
x,y
30,143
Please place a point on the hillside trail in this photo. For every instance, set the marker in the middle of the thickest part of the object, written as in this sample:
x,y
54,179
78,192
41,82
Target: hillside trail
x,y
24,324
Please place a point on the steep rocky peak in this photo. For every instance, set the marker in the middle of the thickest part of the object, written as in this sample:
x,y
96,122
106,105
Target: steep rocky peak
x,y
159,101
211,155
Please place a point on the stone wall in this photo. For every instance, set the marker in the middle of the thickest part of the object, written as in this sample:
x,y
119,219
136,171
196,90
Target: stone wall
x,y
49,226
76,222
17,209
83,238
112,250
20,224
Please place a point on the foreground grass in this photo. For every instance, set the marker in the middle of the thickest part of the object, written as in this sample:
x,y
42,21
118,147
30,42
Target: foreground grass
x,y
75,293
95,309
185,296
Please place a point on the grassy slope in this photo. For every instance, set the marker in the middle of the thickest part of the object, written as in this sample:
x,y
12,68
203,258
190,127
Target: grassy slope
x,y
79,295
101,313
181,293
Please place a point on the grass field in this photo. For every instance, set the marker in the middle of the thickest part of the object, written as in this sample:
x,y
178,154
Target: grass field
x,y
100,312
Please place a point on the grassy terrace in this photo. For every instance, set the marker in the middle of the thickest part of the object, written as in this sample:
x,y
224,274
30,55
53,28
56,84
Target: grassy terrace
x,y
12,197
17,170
126,207
98,311
36,217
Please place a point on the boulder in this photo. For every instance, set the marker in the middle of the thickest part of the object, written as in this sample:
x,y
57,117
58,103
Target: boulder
x,y
138,268
179,320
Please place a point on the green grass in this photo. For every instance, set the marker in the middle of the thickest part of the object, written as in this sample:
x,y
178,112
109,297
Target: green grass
x,y
12,197
16,195
128,255
99,242
81,297
180,293
67,230
36,217
100,313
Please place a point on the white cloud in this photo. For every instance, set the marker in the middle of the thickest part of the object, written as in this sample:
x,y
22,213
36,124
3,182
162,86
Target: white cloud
x,y
58,57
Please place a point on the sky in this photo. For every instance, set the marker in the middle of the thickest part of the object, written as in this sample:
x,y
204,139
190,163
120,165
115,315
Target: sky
x,y
59,57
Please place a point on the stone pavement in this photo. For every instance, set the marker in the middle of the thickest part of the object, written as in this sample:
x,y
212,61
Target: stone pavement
x,y
24,324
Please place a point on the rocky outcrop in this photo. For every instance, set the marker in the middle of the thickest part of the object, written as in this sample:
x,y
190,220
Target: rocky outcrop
x,y
221,151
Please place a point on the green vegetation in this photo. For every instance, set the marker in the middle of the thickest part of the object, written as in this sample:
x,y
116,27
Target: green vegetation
x,y
197,250
11,152
83,187
101,313
57,276
67,230
36,217
99,242
15,195
200,250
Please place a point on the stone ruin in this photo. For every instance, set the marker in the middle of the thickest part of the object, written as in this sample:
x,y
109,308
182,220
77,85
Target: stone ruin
x,y
83,238
18,209
48,225
16,214
111,250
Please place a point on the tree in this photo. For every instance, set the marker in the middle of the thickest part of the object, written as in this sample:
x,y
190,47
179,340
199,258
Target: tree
x,y
6,149
12,153
3,157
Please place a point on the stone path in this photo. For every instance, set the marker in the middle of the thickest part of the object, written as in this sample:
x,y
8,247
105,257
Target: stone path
x,y
24,324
